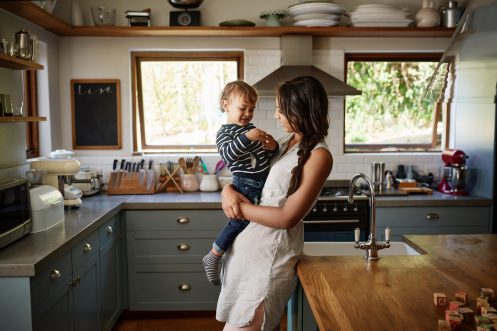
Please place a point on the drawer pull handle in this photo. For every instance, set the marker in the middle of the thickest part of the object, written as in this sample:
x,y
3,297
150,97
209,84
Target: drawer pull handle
x,y
75,281
183,247
432,217
183,220
55,274
109,229
87,247
184,287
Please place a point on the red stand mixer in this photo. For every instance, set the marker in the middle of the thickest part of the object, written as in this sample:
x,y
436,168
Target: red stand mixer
x,y
454,175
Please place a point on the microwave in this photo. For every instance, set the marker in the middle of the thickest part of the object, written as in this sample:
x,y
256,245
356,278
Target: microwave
x,y
15,219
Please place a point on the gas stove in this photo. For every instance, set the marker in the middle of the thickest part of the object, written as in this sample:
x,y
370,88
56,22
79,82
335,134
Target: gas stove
x,y
332,218
339,190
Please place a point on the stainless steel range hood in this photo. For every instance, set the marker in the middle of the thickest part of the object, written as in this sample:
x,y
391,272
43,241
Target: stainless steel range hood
x,y
296,60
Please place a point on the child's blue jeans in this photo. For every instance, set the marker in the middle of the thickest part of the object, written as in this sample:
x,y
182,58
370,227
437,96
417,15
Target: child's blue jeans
x,y
251,189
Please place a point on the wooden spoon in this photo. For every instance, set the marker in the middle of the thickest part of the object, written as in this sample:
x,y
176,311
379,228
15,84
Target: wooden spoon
x,y
182,164
196,161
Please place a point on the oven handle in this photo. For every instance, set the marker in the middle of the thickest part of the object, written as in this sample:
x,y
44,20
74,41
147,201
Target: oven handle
x,y
331,221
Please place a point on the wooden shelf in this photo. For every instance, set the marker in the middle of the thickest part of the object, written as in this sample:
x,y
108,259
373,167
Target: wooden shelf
x,y
8,119
12,62
40,17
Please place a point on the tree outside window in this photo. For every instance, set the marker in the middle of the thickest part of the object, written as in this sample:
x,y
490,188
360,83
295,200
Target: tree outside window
x,y
392,114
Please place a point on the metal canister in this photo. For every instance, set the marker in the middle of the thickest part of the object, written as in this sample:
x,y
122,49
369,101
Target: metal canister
x,y
23,44
451,14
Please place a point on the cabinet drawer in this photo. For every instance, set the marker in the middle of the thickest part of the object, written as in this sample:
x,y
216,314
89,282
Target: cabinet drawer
x,y
50,278
168,246
171,287
176,220
84,249
109,231
436,216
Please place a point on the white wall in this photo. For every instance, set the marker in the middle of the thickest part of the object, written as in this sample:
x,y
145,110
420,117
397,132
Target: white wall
x,y
89,57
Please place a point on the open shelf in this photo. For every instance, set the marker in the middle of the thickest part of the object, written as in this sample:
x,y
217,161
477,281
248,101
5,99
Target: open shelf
x,y
7,119
12,62
42,18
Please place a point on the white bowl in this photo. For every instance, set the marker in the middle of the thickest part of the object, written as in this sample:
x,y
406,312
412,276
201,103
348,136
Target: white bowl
x,y
103,15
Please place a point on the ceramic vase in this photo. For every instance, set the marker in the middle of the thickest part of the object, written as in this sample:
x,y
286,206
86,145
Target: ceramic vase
x,y
76,14
427,16
209,183
189,183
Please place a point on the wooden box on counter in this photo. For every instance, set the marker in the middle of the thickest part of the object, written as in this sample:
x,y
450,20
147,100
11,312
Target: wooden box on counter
x,y
141,182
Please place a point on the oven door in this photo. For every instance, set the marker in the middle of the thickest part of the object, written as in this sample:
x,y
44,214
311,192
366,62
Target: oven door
x,y
336,226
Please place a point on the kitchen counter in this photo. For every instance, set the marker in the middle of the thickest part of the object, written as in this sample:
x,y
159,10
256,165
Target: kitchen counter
x,y
396,292
30,254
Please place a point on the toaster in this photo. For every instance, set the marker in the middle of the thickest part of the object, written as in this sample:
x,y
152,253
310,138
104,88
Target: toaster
x,y
88,180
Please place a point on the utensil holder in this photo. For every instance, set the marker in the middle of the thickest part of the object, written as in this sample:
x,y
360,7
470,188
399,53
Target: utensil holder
x,y
170,181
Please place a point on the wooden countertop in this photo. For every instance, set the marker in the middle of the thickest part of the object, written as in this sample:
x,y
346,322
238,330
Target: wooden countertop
x,y
396,292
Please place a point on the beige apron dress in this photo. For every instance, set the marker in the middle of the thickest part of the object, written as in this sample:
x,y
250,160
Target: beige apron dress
x,y
260,266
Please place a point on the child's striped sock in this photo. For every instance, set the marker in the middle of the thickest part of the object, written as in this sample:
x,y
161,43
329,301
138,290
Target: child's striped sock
x,y
211,267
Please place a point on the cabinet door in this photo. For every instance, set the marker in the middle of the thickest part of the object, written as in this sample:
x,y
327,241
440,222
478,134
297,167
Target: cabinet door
x,y
110,283
170,287
56,312
86,293
432,220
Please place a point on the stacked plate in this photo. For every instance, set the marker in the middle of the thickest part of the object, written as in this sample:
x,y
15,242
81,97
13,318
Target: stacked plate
x,y
379,15
316,13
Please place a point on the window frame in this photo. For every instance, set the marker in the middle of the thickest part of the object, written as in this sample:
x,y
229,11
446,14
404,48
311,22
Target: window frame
x,y
139,142
397,148
30,97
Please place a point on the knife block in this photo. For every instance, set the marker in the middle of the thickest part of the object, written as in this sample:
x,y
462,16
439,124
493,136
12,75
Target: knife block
x,y
142,182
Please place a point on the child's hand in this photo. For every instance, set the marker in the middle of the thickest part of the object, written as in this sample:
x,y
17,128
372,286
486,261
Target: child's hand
x,y
256,135
269,143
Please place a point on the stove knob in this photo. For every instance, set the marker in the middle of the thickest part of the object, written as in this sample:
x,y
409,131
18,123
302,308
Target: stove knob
x,y
335,209
325,209
346,208
356,209
314,210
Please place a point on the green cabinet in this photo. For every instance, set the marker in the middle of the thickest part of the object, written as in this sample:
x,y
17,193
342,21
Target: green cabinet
x,y
82,289
165,250
432,220
66,294
110,272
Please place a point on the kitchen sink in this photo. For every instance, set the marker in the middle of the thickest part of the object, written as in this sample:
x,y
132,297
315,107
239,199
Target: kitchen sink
x,y
348,249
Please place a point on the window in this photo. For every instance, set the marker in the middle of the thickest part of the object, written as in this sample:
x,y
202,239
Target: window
x,y
392,114
176,99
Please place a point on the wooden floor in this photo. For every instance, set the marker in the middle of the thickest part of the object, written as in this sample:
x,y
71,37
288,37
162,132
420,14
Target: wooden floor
x,y
172,321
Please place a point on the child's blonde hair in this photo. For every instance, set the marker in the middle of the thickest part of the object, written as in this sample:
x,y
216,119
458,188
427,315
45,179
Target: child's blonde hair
x,y
240,87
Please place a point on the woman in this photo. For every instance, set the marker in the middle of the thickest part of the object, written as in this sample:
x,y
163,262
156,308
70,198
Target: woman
x,y
259,273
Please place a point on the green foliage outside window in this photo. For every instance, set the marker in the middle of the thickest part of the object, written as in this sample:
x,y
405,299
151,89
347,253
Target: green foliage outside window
x,y
181,101
392,109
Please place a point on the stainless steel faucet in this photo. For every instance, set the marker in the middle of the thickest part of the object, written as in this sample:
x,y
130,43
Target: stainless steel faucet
x,y
371,246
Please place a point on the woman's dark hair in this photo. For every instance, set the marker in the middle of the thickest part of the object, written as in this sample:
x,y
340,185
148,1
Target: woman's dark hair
x,y
303,101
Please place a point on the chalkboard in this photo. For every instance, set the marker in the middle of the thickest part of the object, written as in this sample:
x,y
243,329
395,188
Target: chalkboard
x,y
96,113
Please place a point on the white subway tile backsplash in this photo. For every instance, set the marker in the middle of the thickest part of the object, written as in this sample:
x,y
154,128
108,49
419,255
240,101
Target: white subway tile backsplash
x,y
259,63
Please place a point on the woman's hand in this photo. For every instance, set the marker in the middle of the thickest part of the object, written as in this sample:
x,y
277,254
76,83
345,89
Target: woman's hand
x,y
231,200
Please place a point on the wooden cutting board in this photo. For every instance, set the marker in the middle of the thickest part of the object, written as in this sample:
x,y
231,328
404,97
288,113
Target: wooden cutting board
x,y
416,190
